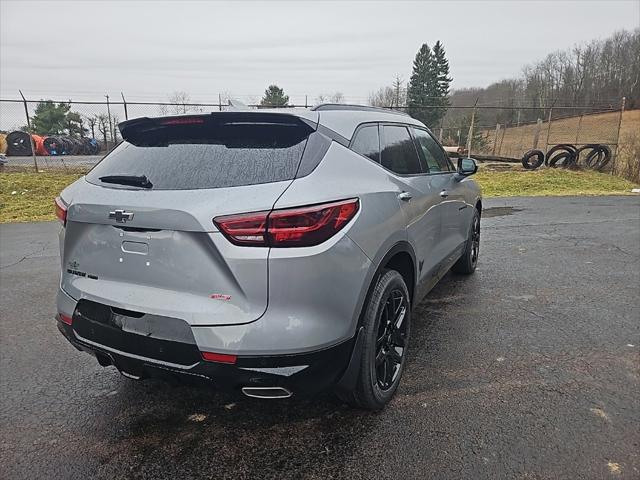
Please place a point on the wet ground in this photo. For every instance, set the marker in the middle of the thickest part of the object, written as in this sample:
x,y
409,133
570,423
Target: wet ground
x,y
527,369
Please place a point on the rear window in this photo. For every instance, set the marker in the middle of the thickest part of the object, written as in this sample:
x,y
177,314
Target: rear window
x,y
199,156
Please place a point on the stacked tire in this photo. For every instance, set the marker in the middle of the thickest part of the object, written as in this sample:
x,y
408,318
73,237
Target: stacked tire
x,y
19,143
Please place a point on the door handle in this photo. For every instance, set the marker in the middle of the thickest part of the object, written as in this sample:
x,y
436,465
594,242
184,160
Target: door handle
x,y
406,196
444,194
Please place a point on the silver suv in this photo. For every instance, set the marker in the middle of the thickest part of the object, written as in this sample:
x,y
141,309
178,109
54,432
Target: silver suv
x,y
274,252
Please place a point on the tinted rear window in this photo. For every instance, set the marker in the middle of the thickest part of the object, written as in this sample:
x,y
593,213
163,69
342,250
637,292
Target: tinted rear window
x,y
367,142
399,153
193,157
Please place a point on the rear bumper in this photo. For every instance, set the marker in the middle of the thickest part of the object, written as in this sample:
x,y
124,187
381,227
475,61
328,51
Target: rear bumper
x,y
301,374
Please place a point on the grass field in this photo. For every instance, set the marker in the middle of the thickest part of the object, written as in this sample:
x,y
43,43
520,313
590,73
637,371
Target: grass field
x,y
550,182
26,197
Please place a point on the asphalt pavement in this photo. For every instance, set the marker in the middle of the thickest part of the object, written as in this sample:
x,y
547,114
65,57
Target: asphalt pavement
x,y
527,369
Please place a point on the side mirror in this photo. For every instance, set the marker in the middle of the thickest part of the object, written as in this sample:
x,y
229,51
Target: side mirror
x,y
467,166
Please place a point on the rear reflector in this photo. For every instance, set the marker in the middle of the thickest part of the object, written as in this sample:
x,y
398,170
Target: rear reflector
x,y
65,318
292,227
219,357
61,211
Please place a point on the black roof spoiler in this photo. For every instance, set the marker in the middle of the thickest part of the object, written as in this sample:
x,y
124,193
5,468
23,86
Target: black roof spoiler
x,y
135,129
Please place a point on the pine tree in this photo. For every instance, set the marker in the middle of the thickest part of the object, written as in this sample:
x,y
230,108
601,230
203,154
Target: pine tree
x,y
429,85
442,73
274,97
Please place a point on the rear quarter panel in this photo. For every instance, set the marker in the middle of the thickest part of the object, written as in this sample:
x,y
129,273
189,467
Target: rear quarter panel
x,y
379,225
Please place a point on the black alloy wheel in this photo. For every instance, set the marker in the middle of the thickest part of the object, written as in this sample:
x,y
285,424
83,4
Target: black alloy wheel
x,y
391,339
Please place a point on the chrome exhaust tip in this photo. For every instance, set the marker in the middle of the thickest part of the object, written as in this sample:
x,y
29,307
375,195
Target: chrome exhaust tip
x,y
266,392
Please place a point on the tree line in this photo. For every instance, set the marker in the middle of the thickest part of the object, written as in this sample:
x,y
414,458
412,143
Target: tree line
x,y
595,75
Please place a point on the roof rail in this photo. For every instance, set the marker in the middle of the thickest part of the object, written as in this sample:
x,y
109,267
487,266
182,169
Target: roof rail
x,y
324,107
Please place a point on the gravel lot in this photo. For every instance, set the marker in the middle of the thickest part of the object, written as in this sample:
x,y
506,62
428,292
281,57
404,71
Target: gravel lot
x,y
527,369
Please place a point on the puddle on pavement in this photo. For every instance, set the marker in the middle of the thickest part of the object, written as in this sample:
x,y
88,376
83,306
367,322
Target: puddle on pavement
x,y
499,211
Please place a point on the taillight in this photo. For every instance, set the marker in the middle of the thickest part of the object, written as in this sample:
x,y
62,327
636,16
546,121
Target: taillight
x,y
65,318
244,229
292,227
303,227
61,211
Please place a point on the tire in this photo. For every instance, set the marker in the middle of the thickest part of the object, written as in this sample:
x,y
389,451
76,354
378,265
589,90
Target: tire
x,y
582,149
566,152
562,159
468,262
532,165
386,327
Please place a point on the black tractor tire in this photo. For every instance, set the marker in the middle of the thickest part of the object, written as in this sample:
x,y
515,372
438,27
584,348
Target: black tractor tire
x,y
530,164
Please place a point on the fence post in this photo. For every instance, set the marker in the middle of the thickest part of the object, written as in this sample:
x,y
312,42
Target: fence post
x,y
504,131
124,102
33,147
615,156
220,101
470,136
549,127
579,127
441,134
495,138
536,136
110,123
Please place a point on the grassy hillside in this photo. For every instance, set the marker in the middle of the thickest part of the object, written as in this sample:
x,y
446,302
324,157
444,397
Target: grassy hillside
x,y
597,128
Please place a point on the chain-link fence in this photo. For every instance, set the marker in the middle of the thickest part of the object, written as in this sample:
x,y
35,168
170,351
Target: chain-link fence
x,y
71,134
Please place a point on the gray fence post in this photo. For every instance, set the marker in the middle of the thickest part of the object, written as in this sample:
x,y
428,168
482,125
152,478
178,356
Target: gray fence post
x,y
470,136
33,147
504,131
536,136
579,127
110,122
495,138
549,126
124,102
615,156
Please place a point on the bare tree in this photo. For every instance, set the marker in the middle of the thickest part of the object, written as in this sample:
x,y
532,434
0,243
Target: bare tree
x,y
102,121
400,92
179,103
116,121
383,97
336,97
92,121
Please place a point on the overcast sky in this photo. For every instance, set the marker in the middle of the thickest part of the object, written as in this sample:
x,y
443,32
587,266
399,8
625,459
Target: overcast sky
x,y
82,50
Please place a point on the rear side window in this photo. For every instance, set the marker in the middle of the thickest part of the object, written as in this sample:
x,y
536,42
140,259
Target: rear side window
x,y
433,154
194,157
367,142
398,150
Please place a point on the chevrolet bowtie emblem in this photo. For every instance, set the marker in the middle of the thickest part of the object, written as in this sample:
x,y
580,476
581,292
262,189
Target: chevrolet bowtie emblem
x,y
121,216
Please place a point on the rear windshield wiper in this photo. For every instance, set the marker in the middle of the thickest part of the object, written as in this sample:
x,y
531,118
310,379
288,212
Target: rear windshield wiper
x,y
133,180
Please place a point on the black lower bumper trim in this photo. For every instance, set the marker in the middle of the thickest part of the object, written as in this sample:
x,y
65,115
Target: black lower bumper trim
x,y
302,374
